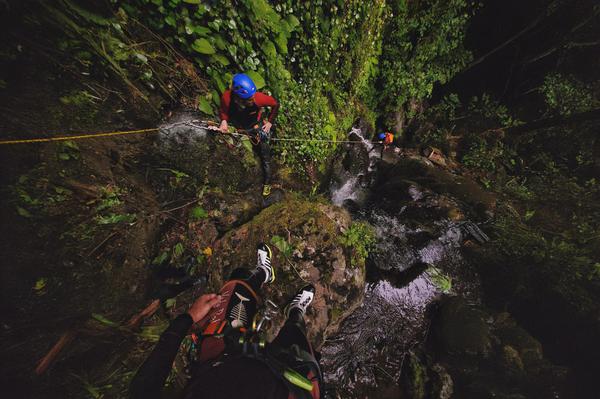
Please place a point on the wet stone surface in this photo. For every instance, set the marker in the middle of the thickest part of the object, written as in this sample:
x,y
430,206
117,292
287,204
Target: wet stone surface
x,y
417,260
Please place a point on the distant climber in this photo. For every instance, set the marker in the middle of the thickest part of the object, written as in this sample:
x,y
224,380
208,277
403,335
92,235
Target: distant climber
x,y
233,361
242,106
386,140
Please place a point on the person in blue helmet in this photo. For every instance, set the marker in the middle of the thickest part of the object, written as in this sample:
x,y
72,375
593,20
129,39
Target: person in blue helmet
x,y
242,105
386,139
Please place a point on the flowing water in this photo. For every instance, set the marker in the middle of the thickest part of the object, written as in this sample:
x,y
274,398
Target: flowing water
x,y
416,261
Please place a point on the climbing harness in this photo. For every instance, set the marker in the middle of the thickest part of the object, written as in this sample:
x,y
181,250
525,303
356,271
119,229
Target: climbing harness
x,y
288,364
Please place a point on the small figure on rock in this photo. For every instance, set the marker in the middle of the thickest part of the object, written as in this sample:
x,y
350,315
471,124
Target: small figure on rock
x,y
242,105
233,360
387,140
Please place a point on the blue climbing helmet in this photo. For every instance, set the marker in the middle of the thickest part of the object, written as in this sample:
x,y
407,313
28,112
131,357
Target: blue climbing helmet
x,y
381,136
242,86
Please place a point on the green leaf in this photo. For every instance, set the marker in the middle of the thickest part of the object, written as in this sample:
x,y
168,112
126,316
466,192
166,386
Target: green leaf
x,y
216,98
114,218
169,303
529,214
63,156
204,105
441,281
23,212
192,1
198,213
40,284
221,59
104,320
281,42
141,57
247,144
221,85
178,250
70,144
203,46
220,42
160,258
170,20
202,30
257,79
269,49
282,245
292,21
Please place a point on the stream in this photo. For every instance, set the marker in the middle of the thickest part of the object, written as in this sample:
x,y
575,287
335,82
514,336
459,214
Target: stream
x,y
417,259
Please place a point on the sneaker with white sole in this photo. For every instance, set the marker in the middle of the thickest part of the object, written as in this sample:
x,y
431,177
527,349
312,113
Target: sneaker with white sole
x,y
302,299
263,262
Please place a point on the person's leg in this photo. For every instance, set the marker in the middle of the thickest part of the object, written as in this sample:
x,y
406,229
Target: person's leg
x,y
264,152
293,331
238,304
263,149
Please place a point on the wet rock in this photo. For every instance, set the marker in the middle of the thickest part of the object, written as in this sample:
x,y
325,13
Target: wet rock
x,y
414,376
512,358
229,209
394,181
196,152
488,355
462,329
443,385
518,340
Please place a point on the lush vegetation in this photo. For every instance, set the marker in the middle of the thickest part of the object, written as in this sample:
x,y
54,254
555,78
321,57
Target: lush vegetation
x,y
547,219
360,239
423,47
328,62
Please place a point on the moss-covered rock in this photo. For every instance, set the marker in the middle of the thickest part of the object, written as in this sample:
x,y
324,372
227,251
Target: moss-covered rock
x,y
462,329
398,174
304,237
206,157
488,355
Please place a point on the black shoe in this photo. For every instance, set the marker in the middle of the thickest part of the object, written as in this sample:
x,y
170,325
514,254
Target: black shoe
x,y
302,300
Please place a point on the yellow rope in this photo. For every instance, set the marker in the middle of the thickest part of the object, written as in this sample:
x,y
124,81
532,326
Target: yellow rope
x,y
78,137
154,129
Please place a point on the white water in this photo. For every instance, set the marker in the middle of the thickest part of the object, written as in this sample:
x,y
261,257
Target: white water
x,y
347,191
352,187
368,350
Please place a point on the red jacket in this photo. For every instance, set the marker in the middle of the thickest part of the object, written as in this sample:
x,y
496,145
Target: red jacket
x,y
229,110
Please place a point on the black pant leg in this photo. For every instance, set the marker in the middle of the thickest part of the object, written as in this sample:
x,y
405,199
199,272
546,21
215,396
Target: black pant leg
x,y
256,280
264,152
293,332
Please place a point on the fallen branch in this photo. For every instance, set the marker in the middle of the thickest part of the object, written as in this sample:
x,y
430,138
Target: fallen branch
x,y
51,356
136,320
111,235
179,207
68,337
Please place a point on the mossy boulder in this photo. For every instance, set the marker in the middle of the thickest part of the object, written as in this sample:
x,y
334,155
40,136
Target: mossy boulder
x,y
207,157
462,329
488,355
304,237
398,175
